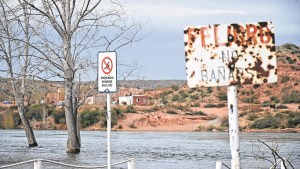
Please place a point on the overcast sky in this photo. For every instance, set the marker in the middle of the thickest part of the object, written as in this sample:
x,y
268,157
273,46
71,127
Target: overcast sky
x,y
161,53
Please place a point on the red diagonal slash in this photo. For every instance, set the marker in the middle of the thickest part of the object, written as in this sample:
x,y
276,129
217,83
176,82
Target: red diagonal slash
x,y
108,68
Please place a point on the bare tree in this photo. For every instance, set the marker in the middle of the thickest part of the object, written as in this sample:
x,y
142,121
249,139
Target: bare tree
x,y
271,153
71,32
14,56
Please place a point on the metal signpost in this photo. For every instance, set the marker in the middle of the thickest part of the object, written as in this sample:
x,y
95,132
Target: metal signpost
x,y
230,55
107,83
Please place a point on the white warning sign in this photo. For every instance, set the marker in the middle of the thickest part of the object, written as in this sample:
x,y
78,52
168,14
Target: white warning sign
x,y
107,72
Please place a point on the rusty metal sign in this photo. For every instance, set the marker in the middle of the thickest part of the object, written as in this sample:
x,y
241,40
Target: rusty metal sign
x,y
233,54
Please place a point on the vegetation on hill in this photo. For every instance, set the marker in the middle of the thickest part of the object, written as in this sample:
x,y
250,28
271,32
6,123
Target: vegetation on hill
x,y
175,98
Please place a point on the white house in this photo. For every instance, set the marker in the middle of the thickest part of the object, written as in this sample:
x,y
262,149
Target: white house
x,y
125,100
139,100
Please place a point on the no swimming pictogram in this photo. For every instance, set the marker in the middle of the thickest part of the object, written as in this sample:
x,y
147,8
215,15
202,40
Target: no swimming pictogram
x,y
106,65
107,72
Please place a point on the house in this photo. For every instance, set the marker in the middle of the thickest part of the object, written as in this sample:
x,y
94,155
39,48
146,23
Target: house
x,y
59,96
98,99
125,100
138,100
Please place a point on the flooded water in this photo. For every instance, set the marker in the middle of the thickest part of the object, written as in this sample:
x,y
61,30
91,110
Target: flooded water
x,y
151,150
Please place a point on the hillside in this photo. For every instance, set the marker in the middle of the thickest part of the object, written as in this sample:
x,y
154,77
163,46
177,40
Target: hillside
x,y
175,107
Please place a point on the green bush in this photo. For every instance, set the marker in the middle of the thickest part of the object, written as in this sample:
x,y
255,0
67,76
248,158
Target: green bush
x,y
153,109
184,95
164,101
58,115
182,108
116,114
222,96
252,116
285,79
293,122
219,105
293,97
175,88
211,105
175,98
281,106
50,110
266,104
132,126
89,117
200,113
35,111
289,46
194,97
197,113
274,99
252,99
255,86
290,60
266,122
192,90
209,90
130,109
171,112
165,93
195,105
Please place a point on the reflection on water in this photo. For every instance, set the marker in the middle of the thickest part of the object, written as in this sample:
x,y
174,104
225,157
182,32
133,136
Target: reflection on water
x,y
151,150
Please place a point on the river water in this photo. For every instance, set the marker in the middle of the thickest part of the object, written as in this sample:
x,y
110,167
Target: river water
x,y
151,150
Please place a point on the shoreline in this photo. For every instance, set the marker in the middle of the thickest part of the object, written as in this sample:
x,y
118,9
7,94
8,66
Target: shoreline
x,y
287,130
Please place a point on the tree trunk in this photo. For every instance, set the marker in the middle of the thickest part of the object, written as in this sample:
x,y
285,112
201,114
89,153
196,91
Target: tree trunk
x,y
28,130
73,144
22,112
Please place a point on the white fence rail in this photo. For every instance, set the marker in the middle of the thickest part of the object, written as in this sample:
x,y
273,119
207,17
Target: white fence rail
x,y
38,164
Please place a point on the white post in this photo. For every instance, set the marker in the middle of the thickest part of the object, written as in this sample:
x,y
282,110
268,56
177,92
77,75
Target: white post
x,y
131,164
108,131
233,127
37,164
281,165
218,164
